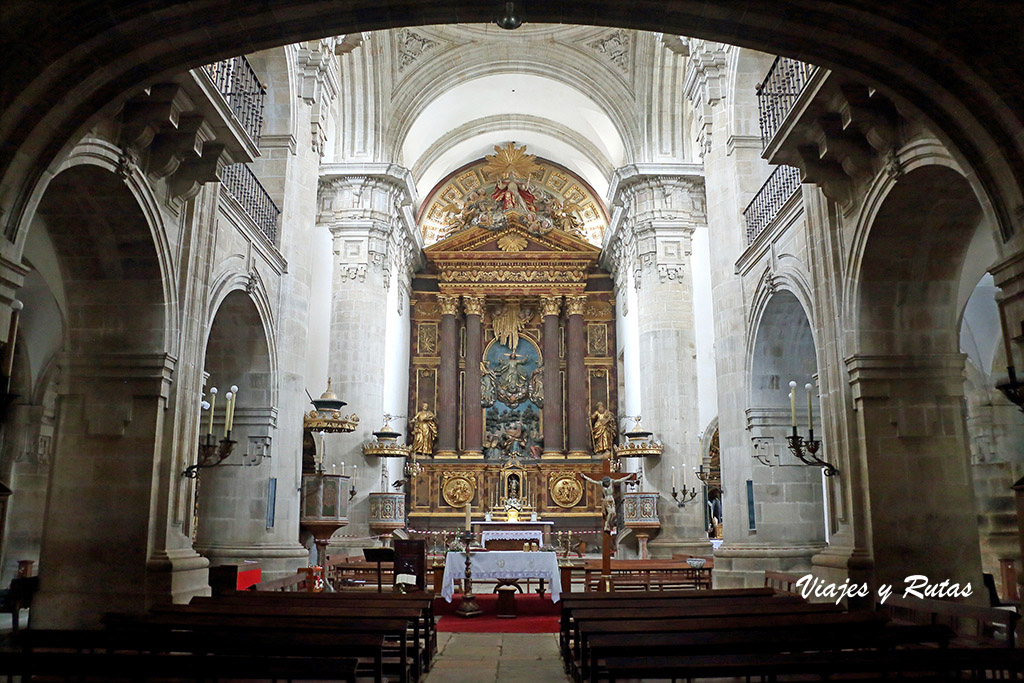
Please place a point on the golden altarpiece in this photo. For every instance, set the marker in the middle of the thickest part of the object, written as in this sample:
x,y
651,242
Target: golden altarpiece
x,y
513,348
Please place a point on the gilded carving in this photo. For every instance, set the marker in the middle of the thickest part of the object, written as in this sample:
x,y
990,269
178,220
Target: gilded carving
x,y
473,305
508,320
550,305
426,338
449,304
539,275
575,305
458,488
597,339
512,242
566,489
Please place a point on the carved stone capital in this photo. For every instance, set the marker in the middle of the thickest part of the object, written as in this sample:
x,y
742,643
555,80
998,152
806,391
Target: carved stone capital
x,y
575,305
473,305
449,304
550,305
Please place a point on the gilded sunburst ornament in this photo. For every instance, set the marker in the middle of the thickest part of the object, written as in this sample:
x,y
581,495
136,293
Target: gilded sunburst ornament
x,y
510,161
512,242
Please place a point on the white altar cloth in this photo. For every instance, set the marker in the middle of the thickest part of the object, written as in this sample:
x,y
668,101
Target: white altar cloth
x,y
533,535
503,564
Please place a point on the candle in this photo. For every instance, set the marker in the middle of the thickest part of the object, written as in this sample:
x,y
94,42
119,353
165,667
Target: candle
x,y
468,517
232,397
792,400
810,408
323,447
1006,336
673,478
343,468
227,413
213,404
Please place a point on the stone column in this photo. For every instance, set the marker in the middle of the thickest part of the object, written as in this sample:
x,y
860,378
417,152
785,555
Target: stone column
x,y
364,206
448,379
576,379
471,408
662,204
554,446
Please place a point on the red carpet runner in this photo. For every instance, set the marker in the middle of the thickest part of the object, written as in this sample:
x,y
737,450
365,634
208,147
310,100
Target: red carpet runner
x,y
535,615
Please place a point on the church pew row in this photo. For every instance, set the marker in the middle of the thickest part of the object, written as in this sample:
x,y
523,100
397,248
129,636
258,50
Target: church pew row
x,y
975,626
94,655
394,621
380,645
423,601
826,633
599,639
597,620
647,575
919,666
571,601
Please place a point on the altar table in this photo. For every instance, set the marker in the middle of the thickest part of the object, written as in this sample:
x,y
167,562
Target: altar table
x,y
503,564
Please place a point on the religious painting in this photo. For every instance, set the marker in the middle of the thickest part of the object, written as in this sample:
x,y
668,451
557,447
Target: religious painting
x,y
512,392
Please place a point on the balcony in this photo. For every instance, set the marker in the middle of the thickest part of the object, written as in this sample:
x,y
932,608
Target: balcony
x,y
236,81
240,182
782,184
778,92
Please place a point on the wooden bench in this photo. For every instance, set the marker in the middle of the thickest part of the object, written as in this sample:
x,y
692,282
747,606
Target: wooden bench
x,y
915,665
648,575
18,597
783,582
424,602
974,626
570,601
125,666
365,639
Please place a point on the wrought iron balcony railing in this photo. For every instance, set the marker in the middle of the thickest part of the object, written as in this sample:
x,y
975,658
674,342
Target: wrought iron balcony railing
x,y
782,184
242,90
241,183
778,91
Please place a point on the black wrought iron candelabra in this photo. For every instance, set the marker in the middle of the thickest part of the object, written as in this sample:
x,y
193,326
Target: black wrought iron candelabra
x,y
683,496
211,453
806,451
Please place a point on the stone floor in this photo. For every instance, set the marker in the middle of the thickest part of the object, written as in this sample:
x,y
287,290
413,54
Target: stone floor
x,y
497,658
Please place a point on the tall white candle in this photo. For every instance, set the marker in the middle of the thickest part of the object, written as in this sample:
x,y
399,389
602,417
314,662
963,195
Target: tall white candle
x,y
468,516
213,404
232,398
673,478
792,400
227,412
810,408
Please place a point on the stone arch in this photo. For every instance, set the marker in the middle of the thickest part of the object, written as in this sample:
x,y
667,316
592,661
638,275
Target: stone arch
x,y
238,353
907,376
790,523
115,382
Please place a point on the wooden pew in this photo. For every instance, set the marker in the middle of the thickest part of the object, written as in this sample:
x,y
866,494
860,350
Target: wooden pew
x,y
783,582
731,635
125,666
917,665
975,626
570,601
364,639
648,575
423,601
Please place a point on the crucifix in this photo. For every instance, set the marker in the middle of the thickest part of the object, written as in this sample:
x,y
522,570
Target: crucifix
x,y
610,526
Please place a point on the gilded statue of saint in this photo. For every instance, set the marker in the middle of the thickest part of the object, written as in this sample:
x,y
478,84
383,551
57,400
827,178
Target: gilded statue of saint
x,y
602,429
424,431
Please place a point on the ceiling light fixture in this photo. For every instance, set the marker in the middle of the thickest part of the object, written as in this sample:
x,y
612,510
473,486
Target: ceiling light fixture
x,y
509,21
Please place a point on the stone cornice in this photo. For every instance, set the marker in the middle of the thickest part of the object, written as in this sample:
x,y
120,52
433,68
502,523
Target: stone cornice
x,y
392,174
626,176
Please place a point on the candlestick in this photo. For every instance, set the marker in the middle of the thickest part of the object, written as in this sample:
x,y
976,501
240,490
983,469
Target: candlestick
x,y
213,404
792,400
12,336
810,408
232,396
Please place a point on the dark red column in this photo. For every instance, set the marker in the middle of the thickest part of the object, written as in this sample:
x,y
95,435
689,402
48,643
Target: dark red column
x,y
448,379
552,410
576,379
473,438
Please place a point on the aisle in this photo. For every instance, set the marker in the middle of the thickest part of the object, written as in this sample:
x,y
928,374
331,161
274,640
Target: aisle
x,y
497,658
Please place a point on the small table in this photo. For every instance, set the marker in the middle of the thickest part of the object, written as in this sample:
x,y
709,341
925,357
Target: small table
x,y
502,564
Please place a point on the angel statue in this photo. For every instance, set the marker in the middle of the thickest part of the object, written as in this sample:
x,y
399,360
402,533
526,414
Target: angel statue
x,y
488,385
424,430
537,386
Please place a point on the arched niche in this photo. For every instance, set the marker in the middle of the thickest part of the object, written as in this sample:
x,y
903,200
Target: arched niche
x,y
232,497
115,377
907,377
788,494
